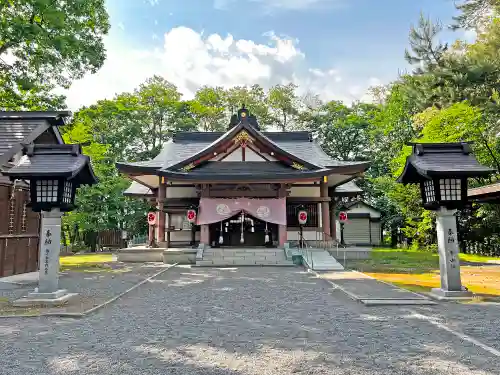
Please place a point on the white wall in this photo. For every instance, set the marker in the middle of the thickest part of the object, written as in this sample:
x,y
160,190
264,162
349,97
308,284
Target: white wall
x,y
149,180
308,235
183,235
237,155
181,192
304,191
183,228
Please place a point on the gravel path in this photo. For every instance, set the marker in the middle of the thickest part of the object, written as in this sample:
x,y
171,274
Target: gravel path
x,y
94,287
240,321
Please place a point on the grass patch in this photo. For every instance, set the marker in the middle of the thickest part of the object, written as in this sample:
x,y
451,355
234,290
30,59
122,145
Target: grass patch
x,y
88,263
85,259
418,271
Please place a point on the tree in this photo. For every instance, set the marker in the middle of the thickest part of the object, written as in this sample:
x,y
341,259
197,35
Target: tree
x,y
51,41
136,125
208,108
101,206
253,97
474,14
14,97
341,131
283,105
425,51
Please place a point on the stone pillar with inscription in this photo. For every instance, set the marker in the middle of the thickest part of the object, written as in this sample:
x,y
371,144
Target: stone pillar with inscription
x,y
48,292
449,262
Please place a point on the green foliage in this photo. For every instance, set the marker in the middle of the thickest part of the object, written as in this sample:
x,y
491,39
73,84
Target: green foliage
x,y
425,51
51,41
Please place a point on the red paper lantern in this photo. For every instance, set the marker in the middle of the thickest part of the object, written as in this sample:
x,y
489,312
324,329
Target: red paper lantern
x,y
343,217
191,215
151,218
302,216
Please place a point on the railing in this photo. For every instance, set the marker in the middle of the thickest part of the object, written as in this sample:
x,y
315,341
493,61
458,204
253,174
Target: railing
x,y
332,245
138,240
305,250
322,241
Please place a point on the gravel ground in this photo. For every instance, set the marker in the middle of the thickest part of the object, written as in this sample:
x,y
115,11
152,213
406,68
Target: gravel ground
x,y
242,321
95,286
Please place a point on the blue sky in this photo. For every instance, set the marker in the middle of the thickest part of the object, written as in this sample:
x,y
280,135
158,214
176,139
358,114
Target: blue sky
x,y
336,48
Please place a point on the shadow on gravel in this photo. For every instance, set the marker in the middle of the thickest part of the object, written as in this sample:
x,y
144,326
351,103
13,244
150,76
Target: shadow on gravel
x,y
242,321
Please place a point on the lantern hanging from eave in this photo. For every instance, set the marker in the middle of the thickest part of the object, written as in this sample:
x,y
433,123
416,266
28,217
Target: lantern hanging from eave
x,y
302,216
191,215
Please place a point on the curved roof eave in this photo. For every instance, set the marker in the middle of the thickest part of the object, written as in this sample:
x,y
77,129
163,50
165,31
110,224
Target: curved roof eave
x,y
129,168
292,175
349,169
252,131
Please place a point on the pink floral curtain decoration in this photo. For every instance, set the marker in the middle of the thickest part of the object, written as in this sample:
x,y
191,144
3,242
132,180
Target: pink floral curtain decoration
x,y
213,210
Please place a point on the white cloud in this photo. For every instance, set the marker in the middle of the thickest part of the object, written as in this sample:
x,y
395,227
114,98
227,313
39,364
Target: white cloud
x,y
190,59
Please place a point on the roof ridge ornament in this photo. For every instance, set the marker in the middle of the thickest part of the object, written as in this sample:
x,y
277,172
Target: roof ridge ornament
x,y
245,117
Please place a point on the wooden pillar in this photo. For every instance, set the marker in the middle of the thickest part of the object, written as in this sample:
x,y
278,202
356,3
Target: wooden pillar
x,y
325,209
282,234
204,234
151,235
333,218
162,195
169,221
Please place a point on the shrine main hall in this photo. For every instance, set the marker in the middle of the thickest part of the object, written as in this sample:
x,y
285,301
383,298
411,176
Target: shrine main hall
x,y
243,187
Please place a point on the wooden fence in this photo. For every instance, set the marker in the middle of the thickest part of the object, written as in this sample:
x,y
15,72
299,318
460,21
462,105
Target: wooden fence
x,y
111,239
19,232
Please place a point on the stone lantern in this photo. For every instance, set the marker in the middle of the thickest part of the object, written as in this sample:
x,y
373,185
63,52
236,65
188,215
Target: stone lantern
x,y
442,170
54,173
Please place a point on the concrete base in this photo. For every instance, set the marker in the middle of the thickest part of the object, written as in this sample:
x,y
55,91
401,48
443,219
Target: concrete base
x,y
180,256
443,295
140,254
45,299
396,302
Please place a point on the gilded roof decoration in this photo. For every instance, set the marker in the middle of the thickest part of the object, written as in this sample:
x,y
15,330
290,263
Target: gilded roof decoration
x,y
243,138
188,167
298,166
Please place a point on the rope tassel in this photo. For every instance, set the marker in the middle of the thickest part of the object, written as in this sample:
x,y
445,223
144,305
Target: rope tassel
x,y
242,238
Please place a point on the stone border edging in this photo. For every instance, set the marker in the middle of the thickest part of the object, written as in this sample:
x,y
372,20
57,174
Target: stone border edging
x,y
336,286
95,308
362,299
395,286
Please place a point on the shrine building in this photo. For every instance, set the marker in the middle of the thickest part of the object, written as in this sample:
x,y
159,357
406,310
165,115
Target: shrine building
x,y
243,187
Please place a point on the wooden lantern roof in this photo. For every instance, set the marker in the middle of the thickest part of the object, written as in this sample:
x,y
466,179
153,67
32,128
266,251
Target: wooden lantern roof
x,y
435,160
53,161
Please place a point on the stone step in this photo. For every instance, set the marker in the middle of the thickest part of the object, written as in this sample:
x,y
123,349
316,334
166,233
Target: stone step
x,y
211,263
252,257
222,252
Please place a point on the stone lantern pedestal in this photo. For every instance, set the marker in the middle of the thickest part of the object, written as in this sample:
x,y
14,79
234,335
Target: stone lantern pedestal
x,y
442,171
54,172
449,261
48,292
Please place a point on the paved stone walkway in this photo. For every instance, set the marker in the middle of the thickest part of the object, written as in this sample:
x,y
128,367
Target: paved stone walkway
x,y
370,291
239,321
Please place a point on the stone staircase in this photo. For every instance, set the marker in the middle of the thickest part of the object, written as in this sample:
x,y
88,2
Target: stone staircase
x,y
320,260
255,256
